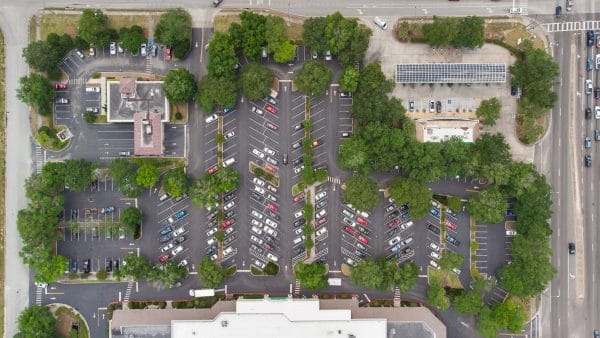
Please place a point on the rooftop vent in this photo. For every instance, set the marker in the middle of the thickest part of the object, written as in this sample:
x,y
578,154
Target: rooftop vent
x,y
224,323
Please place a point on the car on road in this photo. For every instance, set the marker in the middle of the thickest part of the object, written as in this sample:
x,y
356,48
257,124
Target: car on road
x,y
271,198
177,250
178,231
363,239
321,213
588,113
406,225
588,87
590,38
79,54
299,197
299,222
107,210
260,264
165,238
257,240
211,118
229,205
271,223
61,100
391,207
434,255
321,232
270,168
299,126
571,248
271,109
229,135
257,214
394,240
589,65
259,189
321,204
588,160
587,142
350,261
597,93
434,264
272,207
227,223
361,220
258,182
257,110
272,257
297,170
296,145
285,158
321,221
298,161
164,258
168,53
166,230
411,106
299,240
270,231
434,246
515,10
143,49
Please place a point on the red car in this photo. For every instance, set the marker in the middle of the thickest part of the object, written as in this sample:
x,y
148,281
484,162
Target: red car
x,y
350,230
60,86
272,207
164,258
271,169
450,225
299,197
363,239
271,109
168,53
321,221
361,220
393,223
271,126
213,169
226,223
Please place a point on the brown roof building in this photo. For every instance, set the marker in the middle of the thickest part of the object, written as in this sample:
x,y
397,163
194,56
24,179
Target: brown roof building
x,y
148,134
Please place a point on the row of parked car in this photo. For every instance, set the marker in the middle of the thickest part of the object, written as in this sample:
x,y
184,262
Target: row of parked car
x,y
172,237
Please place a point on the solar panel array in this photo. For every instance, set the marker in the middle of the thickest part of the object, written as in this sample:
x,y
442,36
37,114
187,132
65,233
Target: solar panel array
x,y
451,73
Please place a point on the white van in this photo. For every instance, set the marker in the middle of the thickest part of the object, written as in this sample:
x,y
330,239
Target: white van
x,y
380,22
228,162
164,197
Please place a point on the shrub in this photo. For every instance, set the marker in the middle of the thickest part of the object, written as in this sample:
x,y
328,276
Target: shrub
x,y
178,116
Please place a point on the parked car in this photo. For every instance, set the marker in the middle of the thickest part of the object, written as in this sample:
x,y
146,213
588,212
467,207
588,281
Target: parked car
x,y
271,109
143,50
60,86
113,48
168,53
166,230
211,118
452,240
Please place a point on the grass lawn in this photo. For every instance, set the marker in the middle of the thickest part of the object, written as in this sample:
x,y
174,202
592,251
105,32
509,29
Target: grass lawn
x,y
59,24
2,179
448,278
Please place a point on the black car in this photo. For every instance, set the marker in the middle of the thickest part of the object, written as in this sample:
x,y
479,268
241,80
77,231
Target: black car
x,y
257,197
364,230
108,264
434,229
589,65
590,38
588,160
298,161
165,238
298,250
299,222
87,266
285,158
452,240
438,106
394,214
179,240
229,197
514,90
321,204
360,254
571,248
116,264
588,113
229,214
74,266
404,207
597,93
558,11
210,250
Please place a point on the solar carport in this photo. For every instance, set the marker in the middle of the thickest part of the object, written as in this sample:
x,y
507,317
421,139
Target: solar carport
x,y
451,73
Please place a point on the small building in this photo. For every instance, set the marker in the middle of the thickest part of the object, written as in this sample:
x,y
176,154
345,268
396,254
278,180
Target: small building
x,y
443,129
148,134
128,96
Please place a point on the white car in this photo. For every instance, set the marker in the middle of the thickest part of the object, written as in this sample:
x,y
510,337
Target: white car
x,y
113,48
435,204
256,240
350,261
434,264
178,231
299,240
511,233
434,246
272,257
272,189
257,214
211,232
258,153
271,198
214,257
167,247
177,250
434,255
257,230
597,111
258,182
328,55
183,262
588,87
271,223
211,241
321,213
297,170
228,162
211,118
229,135
269,151
298,231
364,214
299,213
143,50
321,232
259,263
456,271
321,195
227,251
394,240
256,223
258,111
270,231
229,205
259,189
406,225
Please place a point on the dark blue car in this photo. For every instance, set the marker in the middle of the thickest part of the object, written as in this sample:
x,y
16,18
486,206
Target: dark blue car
x,y
166,230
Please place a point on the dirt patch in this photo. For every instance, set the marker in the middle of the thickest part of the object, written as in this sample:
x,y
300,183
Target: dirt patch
x,y
512,33
63,323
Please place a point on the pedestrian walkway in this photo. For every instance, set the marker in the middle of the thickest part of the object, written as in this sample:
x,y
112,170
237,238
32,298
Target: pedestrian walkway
x,y
77,81
334,180
297,288
128,292
148,65
39,158
571,26
397,296
38,295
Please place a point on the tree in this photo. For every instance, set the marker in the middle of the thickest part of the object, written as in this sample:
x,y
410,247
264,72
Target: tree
x,y
436,295
349,79
44,56
131,219
176,182
93,27
256,81
489,111
136,267
36,321
175,29
271,269
357,47
468,302
488,206
313,78
222,61
362,192
441,31
534,208
530,130
119,168
132,38
147,175
497,173
413,193
167,274
313,34
470,33
511,314
275,34
179,85
128,185
37,92
254,32
455,154
53,177
227,179
454,203
371,274
487,326
203,191
339,32
406,276
49,268
311,276
491,148
451,260
286,53
210,274
216,91
78,174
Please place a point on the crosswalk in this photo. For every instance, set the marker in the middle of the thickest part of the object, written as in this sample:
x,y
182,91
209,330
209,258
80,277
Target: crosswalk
x,y
128,292
38,295
334,180
397,295
297,288
39,158
148,65
571,26
77,81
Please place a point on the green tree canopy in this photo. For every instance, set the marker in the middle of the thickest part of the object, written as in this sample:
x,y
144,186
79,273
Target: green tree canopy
x,y
489,111
37,92
286,53
222,59
216,91
311,276
134,266
511,315
132,38
349,79
176,182
313,78
275,34
354,154
441,31
487,325
470,33
147,175
436,295
175,29
203,191
227,179
53,177
488,206
254,32
44,56
382,274
210,274
313,34
256,80
468,302
413,193
361,191
131,219
93,27
36,321
49,268
78,174
179,85
451,260
491,148
167,274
